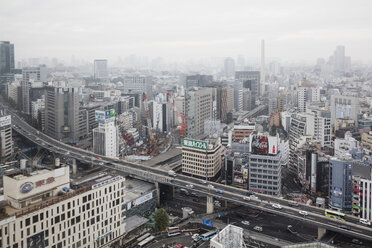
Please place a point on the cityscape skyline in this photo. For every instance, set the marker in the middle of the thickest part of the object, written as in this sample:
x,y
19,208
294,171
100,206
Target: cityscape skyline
x,y
292,32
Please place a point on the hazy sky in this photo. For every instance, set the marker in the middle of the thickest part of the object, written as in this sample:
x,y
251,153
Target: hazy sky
x,y
293,29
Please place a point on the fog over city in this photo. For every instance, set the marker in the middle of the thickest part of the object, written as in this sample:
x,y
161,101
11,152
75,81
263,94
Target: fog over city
x,y
298,31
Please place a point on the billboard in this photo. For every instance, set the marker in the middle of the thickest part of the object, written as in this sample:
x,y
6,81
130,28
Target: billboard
x,y
337,192
103,116
5,120
142,199
197,144
259,144
207,222
36,241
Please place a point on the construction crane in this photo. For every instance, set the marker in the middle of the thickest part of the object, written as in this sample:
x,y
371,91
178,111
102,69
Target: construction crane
x,y
148,117
181,117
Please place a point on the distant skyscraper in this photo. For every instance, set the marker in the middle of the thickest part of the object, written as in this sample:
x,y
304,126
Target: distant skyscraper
x,y
262,75
6,61
34,73
229,67
62,112
251,80
100,69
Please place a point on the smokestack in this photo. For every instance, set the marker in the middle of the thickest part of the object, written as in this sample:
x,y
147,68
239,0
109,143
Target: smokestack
x,y
262,74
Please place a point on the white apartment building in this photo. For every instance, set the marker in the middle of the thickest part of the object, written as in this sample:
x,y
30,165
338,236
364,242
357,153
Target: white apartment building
x,y
44,212
105,139
37,105
343,146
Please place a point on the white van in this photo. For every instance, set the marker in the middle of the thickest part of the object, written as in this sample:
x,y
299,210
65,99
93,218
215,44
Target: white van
x,y
365,222
258,228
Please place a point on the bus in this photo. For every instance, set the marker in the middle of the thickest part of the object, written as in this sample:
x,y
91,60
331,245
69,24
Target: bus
x,y
146,241
208,235
143,237
173,231
334,214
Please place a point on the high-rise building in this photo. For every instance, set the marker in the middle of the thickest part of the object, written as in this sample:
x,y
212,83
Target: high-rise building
x,y
340,184
34,73
262,71
226,102
6,140
138,84
307,94
201,158
105,139
344,107
251,80
100,69
362,191
198,108
238,95
6,61
229,64
198,80
265,165
62,112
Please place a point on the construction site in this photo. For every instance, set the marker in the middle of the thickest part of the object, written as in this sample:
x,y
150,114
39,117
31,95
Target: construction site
x,y
153,141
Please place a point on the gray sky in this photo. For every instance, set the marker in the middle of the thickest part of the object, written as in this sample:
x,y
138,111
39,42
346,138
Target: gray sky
x,y
293,29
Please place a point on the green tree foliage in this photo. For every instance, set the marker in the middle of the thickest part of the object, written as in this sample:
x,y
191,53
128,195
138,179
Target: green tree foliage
x,y
161,219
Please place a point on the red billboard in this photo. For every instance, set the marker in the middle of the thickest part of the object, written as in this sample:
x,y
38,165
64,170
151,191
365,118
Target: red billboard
x,y
260,144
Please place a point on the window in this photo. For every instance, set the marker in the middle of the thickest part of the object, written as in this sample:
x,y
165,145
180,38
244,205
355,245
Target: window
x,y
28,222
35,219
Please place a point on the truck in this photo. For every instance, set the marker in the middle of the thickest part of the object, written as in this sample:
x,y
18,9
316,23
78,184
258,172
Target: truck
x,y
172,173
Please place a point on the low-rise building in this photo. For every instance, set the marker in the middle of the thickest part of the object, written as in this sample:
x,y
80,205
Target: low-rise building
x,y
201,158
43,211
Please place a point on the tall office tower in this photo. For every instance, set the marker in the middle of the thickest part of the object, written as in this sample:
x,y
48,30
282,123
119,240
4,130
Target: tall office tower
x,y
344,107
198,108
238,95
105,139
340,184
250,80
229,67
198,80
62,112
226,102
6,141
247,100
262,75
6,61
339,59
34,73
100,69
301,98
138,84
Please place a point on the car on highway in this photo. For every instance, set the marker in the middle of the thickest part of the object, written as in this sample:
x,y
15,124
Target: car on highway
x,y
365,222
249,193
293,204
258,228
246,198
356,241
99,158
277,206
304,213
210,186
219,191
245,222
203,181
344,227
100,163
189,186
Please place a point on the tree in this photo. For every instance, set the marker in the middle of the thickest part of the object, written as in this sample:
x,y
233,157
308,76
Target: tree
x,y
161,219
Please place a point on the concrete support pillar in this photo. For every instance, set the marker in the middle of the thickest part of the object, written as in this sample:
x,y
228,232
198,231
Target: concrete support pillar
x,y
321,232
74,167
157,193
173,192
210,206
